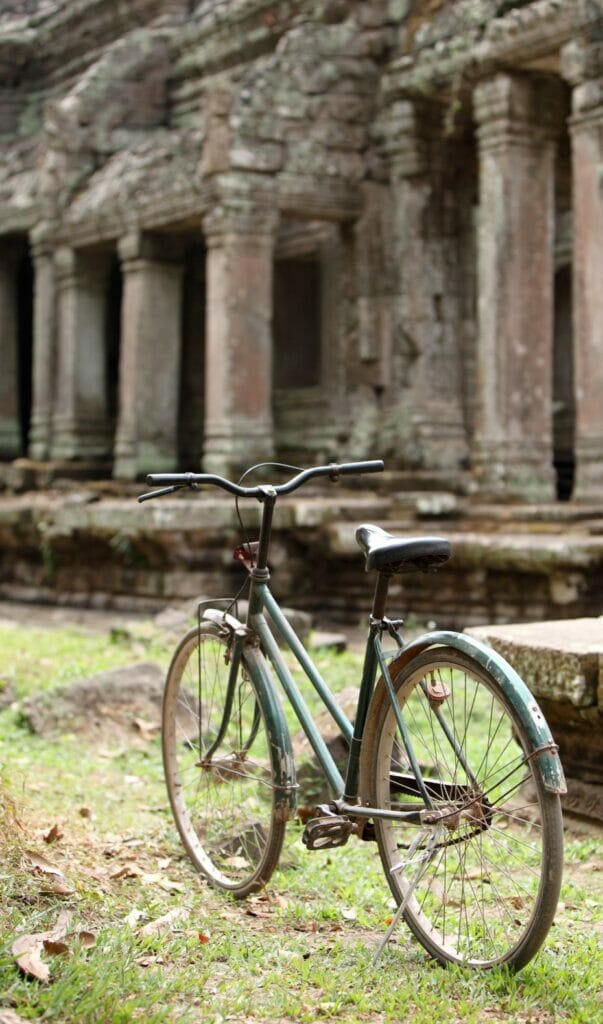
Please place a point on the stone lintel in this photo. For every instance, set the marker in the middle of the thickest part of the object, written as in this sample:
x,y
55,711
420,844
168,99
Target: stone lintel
x,y
141,246
74,266
524,36
332,199
587,106
518,109
235,217
581,61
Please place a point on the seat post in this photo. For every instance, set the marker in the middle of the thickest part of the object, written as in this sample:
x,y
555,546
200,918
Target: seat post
x,y
380,596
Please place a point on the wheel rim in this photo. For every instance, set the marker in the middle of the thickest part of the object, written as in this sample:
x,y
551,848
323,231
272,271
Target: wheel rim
x,y
481,899
220,786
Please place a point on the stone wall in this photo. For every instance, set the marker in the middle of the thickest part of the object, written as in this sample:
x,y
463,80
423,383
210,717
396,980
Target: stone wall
x,y
84,547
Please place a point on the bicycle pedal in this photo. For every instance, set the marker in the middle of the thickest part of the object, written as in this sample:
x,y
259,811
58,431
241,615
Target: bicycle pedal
x,y
328,832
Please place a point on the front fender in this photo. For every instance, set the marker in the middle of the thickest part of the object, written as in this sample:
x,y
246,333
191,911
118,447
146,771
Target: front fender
x,y
283,764
281,752
524,704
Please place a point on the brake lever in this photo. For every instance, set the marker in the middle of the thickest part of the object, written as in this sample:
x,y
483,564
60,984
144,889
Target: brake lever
x,y
162,491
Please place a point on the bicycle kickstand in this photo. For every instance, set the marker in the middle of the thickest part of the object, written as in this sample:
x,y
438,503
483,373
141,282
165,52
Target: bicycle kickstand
x,y
424,861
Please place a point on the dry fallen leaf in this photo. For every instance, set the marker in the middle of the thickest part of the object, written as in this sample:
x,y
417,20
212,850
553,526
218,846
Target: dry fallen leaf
x,y
133,918
30,962
58,887
146,729
10,1017
54,947
42,864
163,924
27,949
237,862
53,834
129,870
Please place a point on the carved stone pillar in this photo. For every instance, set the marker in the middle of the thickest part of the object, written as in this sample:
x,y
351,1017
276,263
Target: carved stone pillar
x,y
150,352
586,128
10,426
44,347
425,359
81,426
517,123
238,372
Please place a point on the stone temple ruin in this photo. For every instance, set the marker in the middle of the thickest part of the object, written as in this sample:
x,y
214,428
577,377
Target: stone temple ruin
x,y
309,228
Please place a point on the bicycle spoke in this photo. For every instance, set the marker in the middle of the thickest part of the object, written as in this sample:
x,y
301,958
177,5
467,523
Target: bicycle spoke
x,y
478,901
218,766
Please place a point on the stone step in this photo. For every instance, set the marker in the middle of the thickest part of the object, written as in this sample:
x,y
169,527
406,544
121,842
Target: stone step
x,y
561,661
101,548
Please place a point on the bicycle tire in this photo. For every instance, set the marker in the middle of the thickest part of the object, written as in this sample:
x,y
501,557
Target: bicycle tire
x,y
491,882
223,804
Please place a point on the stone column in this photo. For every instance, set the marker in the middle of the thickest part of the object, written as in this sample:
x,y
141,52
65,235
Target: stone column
x,y
150,353
10,424
44,344
586,128
81,426
517,122
425,356
238,340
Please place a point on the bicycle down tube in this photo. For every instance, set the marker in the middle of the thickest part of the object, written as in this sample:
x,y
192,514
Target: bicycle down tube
x,y
352,735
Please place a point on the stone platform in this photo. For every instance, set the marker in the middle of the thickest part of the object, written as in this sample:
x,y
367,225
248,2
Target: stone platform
x,y
91,544
562,663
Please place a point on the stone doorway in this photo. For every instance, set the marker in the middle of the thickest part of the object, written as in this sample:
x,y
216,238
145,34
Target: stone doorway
x,y
564,412
113,301
24,282
191,404
297,354
297,329
16,345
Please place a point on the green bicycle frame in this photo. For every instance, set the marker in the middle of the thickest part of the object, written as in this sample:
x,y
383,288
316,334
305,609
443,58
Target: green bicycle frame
x,y
346,792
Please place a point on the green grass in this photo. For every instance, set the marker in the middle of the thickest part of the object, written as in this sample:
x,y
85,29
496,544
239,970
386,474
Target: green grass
x,y
298,952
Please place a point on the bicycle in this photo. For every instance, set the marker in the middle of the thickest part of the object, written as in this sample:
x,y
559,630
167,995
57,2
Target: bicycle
x,y
452,769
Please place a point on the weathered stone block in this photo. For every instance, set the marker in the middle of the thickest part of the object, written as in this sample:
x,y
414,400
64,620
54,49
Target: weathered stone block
x,y
561,660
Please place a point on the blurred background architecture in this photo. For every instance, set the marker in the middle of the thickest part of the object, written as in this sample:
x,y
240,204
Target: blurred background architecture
x,y
233,229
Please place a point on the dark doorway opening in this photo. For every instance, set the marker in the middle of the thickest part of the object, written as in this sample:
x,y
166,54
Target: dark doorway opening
x,y
192,367
297,320
24,344
114,289
564,409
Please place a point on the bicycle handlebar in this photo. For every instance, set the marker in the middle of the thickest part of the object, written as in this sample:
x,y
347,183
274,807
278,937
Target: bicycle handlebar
x,y
174,481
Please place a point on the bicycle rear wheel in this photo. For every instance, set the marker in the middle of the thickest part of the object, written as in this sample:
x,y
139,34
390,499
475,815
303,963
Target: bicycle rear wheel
x,y
218,767
489,881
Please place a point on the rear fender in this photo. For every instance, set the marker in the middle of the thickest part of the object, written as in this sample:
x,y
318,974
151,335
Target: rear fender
x,y
542,747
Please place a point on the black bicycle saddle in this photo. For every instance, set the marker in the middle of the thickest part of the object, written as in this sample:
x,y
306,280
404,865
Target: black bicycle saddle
x,y
390,554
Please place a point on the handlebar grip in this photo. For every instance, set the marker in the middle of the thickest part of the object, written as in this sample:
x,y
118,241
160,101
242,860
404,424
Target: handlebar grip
x,y
181,479
372,466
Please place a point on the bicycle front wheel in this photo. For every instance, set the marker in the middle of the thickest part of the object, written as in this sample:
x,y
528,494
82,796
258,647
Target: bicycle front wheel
x,y
218,768
483,890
